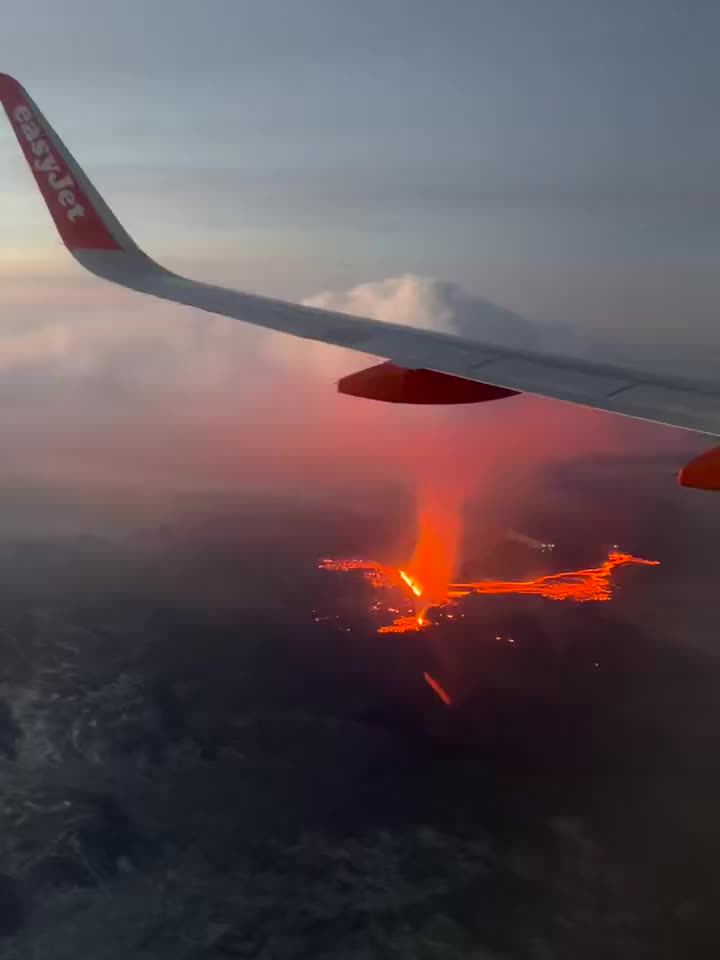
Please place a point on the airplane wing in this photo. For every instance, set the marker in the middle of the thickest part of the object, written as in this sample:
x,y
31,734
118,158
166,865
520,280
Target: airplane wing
x,y
425,366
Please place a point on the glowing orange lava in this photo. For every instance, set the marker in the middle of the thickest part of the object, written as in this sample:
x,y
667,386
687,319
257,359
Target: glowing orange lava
x,y
413,584
579,585
582,586
434,561
405,624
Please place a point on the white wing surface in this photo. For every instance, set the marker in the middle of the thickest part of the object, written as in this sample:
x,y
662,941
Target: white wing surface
x,y
99,243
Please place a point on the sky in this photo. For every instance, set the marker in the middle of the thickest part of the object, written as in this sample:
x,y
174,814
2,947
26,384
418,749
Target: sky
x,y
402,159
559,158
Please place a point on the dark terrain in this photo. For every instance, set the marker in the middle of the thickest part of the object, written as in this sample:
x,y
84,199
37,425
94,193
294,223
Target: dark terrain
x,y
192,767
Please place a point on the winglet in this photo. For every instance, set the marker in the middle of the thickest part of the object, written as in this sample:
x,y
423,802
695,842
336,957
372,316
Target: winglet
x,y
703,472
83,219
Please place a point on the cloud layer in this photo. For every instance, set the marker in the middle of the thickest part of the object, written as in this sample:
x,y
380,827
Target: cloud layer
x,y
106,389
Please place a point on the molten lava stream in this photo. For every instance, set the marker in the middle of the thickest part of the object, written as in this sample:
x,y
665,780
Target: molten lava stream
x,y
579,585
582,586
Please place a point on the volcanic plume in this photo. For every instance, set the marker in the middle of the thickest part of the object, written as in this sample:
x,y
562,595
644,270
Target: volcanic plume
x,y
433,564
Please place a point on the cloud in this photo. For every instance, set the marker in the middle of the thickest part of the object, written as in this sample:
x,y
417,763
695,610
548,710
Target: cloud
x,y
437,305
427,303
141,394
415,301
409,300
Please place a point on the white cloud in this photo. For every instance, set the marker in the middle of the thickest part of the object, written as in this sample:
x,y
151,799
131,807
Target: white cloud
x,y
409,299
424,302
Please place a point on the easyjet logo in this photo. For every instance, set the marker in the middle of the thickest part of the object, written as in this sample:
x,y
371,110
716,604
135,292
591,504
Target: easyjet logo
x,y
44,161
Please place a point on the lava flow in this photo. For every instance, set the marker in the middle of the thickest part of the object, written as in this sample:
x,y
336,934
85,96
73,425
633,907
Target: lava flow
x,y
582,586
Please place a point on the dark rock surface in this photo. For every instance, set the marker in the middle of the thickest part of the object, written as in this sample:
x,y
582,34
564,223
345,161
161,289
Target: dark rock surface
x,y
191,767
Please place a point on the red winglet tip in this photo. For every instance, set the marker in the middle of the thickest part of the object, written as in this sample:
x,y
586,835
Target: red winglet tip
x,y
702,473
78,222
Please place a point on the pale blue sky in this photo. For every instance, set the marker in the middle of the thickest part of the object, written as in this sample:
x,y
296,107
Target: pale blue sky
x,y
558,156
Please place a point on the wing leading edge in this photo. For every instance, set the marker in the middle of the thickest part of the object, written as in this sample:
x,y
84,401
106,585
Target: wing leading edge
x,y
99,243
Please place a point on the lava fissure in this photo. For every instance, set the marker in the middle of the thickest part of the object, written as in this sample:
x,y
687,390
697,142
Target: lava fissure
x,y
583,586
